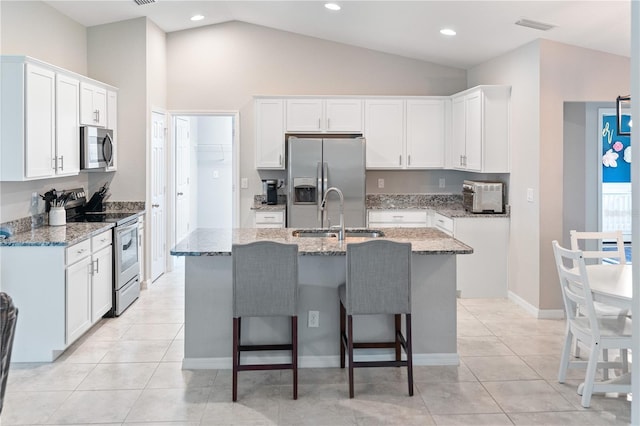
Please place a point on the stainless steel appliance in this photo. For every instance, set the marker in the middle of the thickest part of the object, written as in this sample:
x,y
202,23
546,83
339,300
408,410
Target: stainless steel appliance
x,y
270,191
483,197
315,165
96,147
126,261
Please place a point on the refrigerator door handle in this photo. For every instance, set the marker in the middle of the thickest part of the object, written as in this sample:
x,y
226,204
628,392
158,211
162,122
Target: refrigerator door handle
x,y
325,186
319,191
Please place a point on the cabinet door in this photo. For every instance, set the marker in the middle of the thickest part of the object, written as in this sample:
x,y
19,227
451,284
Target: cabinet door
x,y
425,126
269,133
112,123
343,115
93,105
304,115
67,125
384,132
473,131
78,299
141,251
40,122
101,283
458,129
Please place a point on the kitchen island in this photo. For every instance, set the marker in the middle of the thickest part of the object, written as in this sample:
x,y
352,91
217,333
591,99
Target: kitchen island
x,y
208,297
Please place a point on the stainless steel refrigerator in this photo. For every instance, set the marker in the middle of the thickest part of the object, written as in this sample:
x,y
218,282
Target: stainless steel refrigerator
x,y
316,164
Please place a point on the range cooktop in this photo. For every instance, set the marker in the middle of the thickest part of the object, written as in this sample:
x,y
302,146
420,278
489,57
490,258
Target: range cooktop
x,y
117,218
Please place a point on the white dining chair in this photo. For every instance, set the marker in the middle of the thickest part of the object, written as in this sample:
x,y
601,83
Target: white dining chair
x,y
595,332
595,242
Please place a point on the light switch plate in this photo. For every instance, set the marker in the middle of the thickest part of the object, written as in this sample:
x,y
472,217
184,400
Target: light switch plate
x,y
530,195
314,319
380,183
244,183
441,183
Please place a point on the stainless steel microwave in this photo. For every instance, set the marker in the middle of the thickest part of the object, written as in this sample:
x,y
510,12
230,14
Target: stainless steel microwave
x,y
96,147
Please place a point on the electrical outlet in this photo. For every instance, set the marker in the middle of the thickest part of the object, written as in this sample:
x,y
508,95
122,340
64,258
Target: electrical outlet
x,y
380,183
530,195
314,319
280,183
244,183
216,174
441,183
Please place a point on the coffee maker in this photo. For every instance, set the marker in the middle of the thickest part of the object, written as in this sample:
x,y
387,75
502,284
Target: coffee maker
x,y
269,191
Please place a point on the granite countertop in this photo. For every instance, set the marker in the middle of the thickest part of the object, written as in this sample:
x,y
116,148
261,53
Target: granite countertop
x,y
218,242
449,205
259,205
67,235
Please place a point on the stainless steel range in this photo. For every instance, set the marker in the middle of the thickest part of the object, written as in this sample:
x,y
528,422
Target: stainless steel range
x,y
126,257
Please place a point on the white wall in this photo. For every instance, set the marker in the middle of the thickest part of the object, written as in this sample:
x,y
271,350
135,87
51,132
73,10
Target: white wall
x,y
544,75
36,29
221,67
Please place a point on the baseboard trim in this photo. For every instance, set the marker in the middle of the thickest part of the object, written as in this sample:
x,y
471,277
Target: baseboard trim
x,y
224,363
535,312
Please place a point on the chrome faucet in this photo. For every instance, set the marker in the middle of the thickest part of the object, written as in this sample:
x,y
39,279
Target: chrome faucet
x,y
322,207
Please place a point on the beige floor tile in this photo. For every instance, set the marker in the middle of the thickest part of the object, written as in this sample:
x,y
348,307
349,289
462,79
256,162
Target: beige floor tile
x,y
494,368
119,376
47,377
89,352
177,405
611,402
472,419
84,407
175,353
548,344
547,367
457,398
158,316
22,408
443,374
393,416
329,403
171,375
248,379
152,332
137,351
526,327
472,328
568,418
258,405
482,346
527,396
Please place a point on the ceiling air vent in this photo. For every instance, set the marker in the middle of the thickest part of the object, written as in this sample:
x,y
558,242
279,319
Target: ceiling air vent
x,y
141,2
532,24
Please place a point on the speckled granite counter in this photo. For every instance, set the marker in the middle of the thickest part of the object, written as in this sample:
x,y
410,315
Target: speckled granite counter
x,y
449,205
67,235
218,242
259,205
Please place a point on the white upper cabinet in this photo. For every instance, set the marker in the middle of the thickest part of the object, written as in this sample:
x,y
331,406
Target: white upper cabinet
x,y
269,127
67,160
40,108
425,133
480,130
93,105
384,133
313,115
405,133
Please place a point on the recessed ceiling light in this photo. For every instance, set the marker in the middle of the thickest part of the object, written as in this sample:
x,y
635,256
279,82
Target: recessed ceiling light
x,y
197,17
332,6
447,32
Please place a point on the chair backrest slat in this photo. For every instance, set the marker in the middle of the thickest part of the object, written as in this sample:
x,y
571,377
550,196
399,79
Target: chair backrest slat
x,y
578,237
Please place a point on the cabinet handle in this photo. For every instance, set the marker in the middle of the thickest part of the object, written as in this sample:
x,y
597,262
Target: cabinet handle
x,y
62,162
80,251
397,217
97,266
328,123
280,160
54,163
319,124
155,205
180,193
399,160
95,116
409,160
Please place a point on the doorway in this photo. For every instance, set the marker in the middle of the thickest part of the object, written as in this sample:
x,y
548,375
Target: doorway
x,y
205,167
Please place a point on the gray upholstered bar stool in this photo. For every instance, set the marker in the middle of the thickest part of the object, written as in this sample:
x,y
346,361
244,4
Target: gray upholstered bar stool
x,y
265,283
378,282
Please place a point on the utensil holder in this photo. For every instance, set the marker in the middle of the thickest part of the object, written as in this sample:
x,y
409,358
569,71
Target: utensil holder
x,y
57,216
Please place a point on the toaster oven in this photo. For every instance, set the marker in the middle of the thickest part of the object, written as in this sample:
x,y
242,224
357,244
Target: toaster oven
x,y
483,197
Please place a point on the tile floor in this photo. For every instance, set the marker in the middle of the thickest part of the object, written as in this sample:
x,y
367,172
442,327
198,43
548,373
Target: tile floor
x,y
128,371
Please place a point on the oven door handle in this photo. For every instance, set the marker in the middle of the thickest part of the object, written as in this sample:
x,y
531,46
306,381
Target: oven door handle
x,y
126,228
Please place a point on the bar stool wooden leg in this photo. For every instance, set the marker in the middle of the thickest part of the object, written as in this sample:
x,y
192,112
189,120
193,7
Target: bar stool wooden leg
x,y
409,350
236,360
397,319
350,350
343,314
294,354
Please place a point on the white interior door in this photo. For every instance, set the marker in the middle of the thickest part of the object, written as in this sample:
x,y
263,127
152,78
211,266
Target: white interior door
x,y
183,170
158,204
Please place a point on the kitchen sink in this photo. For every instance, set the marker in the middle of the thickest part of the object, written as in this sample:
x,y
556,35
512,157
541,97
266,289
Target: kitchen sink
x,y
326,233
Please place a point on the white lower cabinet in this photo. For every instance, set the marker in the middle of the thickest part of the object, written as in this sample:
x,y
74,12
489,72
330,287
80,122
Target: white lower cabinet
x,y
398,218
78,299
269,219
484,273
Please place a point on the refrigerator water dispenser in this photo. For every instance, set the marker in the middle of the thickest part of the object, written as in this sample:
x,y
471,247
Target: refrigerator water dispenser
x,y
304,190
